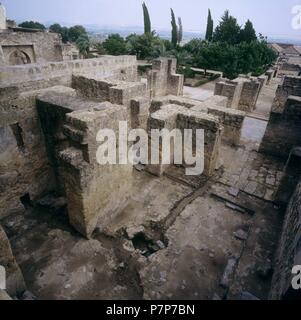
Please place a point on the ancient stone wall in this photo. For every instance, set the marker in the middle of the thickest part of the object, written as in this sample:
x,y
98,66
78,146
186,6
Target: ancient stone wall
x,y
2,18
29,170
230,119
24,170
242,93
17,48
70,52
226,89
163,80
289,251
28,77
283,132
173,116
90,188
249,95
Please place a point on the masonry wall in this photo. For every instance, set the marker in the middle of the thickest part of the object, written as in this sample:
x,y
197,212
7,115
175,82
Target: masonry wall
x,y
95,193
28,77
24,167
27,167
283,132
289,251
39,46
163,80
249,95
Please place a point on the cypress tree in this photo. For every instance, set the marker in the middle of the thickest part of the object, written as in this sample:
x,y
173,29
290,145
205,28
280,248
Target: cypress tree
x,y
209,31
180,31
174,30
147,21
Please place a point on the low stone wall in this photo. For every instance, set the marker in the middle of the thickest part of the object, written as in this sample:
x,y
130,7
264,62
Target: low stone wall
x,y
26,77
289,251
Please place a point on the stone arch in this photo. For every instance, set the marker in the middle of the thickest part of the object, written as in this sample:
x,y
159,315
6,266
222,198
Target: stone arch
x,y
18,57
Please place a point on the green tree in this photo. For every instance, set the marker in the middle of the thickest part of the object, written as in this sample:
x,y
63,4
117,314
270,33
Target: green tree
x,y
147,21
115,45
210,25
174,30
63,31
228,30
248,33
146,46
32,25
83,45
180,30
75,32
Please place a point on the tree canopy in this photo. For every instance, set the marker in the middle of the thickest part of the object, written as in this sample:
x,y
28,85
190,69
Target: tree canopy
x,y
63,31
76,32
248,33
32,25
115,45
227,30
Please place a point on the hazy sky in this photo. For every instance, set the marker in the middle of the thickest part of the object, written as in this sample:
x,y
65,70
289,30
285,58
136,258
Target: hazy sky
x,y
270,17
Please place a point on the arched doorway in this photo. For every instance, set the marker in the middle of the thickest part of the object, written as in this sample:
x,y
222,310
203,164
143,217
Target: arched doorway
x,y
18,57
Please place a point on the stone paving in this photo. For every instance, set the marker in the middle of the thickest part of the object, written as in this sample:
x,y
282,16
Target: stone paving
x,y
251,172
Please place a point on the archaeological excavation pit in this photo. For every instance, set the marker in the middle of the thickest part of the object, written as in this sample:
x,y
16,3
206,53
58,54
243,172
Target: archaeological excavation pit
x,y
71,228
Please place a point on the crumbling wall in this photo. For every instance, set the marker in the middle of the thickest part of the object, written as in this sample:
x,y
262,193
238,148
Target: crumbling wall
x,y
24,166
242,93
32,77
226,89
174,116
289,251
163,80
40,47
95,193
283,132
230,119
90,187
249,95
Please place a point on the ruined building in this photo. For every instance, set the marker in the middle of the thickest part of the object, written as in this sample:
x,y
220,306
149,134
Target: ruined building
x,y
75,229
25,46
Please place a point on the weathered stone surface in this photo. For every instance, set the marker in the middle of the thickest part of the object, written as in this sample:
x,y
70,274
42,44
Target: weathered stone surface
x,y
15,284
20,48
289,247
229,272
163,80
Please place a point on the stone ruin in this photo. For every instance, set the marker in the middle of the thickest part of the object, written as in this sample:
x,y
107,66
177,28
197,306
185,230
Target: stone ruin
x,y
242,93
50,115
20,46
